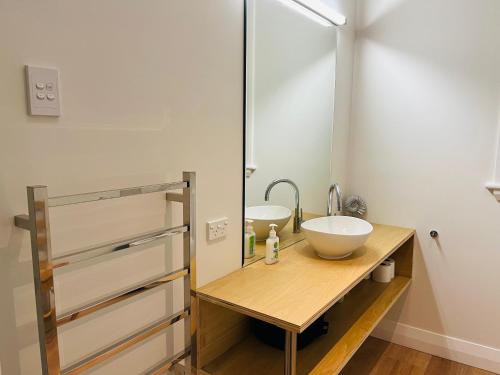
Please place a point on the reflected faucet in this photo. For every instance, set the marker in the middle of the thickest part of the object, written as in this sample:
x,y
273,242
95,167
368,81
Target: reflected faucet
x,y
297,220
338,193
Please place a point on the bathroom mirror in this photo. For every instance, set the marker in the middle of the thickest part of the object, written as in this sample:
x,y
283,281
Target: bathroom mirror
x,y
290,80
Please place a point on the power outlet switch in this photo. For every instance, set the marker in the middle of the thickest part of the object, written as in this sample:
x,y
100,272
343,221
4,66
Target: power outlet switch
x,y
42,86
217,228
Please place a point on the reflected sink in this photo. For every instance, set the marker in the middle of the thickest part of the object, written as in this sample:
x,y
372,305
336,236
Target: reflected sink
x,y
262,216
336,237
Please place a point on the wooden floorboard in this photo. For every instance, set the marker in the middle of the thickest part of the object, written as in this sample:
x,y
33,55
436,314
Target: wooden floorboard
x,y
374,357
378,357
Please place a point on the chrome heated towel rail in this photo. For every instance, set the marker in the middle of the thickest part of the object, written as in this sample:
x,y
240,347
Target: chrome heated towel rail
x,y
37,223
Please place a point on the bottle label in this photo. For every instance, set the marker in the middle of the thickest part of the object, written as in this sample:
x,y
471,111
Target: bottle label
x,y
251,249
276,250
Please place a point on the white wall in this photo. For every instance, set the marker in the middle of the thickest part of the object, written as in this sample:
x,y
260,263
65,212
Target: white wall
x,y
149,89
292,66
424,131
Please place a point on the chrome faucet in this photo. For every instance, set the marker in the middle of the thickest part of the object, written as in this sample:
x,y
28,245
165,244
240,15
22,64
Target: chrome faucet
x,y
297,220
338,193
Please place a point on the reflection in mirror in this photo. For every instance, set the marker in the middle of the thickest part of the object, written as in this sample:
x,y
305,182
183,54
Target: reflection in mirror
x,y
289,125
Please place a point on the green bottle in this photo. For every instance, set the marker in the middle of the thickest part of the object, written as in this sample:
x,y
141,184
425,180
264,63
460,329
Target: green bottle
x,y
249,239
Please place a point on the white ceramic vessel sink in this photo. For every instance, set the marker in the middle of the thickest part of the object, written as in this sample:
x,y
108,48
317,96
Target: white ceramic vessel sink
x,y
336,237
262,216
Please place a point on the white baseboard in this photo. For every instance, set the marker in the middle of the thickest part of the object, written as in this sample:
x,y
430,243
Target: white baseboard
x,y
452,348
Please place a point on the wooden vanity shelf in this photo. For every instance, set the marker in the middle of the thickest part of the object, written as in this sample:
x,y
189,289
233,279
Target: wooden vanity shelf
x,y
292,295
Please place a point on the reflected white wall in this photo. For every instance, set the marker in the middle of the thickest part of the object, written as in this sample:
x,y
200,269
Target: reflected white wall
x,y
293,98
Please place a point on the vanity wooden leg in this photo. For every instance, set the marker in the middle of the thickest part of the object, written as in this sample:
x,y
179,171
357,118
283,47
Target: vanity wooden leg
x,y
291,353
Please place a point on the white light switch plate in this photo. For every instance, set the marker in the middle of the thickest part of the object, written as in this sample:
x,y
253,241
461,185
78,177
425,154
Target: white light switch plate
x,y
217,228
43,91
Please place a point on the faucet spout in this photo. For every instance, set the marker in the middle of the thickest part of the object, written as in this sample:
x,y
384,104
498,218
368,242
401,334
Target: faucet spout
x,y
334,188
297,220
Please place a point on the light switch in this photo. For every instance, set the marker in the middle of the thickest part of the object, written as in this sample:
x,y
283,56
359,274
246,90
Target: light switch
x,y
43,91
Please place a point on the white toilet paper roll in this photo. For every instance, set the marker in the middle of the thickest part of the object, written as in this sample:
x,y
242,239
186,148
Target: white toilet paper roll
x,y
382,274
392,262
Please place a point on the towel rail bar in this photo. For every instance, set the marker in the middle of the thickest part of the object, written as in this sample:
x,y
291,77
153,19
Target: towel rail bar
x,y
44,263
65,200
95,251
123,344
125,294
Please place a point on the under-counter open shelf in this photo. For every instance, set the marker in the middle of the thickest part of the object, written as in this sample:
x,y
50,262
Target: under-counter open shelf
x,y
351,322
292,295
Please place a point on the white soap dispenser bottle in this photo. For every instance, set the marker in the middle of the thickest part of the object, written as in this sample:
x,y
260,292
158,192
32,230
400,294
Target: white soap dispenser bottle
x,y
249,240
272,246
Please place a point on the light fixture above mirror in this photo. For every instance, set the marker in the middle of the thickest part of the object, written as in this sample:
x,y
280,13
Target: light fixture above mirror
x,y
316,11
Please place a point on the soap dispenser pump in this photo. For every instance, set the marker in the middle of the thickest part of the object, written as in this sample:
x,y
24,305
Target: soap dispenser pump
x,y
249,240
272,246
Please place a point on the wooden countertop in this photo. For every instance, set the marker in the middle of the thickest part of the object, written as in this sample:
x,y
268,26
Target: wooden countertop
x,y
301,287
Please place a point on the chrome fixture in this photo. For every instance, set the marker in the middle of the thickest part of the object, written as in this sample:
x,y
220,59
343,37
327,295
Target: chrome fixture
x,y
297,220
338,193
44,263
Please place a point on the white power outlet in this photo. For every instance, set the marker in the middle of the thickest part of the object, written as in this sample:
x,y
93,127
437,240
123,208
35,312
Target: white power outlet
x,y
217,228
